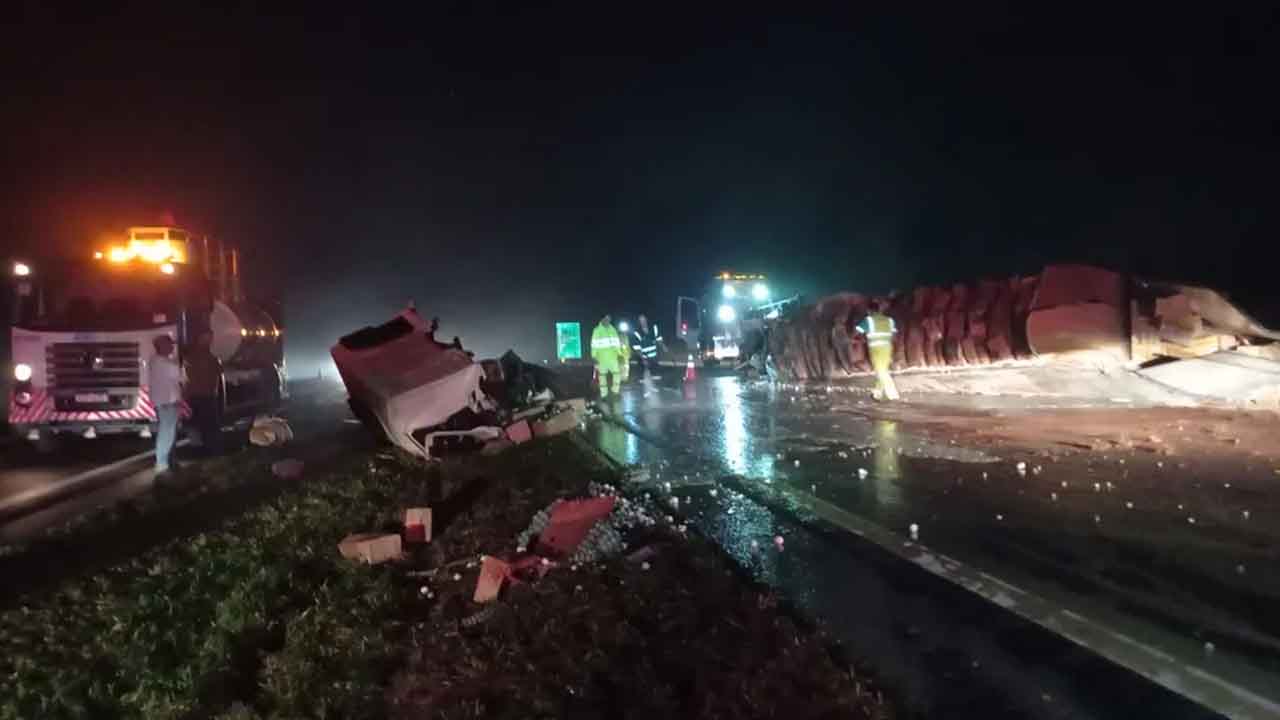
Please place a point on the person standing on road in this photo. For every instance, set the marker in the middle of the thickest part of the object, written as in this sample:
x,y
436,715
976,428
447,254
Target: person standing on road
x,y
879,330
606,351
645,342
204,379
164,381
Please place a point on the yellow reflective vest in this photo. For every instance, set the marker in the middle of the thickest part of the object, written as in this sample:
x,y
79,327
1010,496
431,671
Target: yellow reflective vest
x,y
606,347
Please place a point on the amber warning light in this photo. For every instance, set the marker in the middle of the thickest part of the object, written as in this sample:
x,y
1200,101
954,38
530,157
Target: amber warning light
x,y
154,246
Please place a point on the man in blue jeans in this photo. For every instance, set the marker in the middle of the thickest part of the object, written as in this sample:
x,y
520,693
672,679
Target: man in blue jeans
x,y
164,376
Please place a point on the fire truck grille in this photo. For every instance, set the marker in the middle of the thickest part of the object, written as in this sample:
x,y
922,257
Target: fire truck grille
x,y
93,365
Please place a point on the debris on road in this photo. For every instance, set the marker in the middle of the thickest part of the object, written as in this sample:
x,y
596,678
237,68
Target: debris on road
x,y
519,432
371,548
270,432
1048,333
417,525
564,421
570,521
493,573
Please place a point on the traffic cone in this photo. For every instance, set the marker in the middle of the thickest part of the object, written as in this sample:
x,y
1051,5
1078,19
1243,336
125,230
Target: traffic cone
x,y
689,373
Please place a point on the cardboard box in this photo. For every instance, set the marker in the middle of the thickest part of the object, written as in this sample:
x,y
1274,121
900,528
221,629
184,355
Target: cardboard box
x,y
556,424
372,548
493,572
417,525
519,432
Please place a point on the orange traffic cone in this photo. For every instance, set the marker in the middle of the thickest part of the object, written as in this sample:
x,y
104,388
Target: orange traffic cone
x,y
690,374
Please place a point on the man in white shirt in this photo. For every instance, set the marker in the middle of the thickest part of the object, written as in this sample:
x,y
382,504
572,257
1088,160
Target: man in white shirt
x,y
164,376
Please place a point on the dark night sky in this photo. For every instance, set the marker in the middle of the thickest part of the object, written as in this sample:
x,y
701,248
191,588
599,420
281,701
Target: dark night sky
x,y
508,169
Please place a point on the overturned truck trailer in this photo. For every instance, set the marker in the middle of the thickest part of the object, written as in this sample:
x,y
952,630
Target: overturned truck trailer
x,y
1065,314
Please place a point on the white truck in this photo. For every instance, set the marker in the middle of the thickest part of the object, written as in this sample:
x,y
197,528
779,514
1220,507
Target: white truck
x,y
82,333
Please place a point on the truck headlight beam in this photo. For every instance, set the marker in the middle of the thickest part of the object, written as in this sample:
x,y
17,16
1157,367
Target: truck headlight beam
x,y
728,291
726,314
760,292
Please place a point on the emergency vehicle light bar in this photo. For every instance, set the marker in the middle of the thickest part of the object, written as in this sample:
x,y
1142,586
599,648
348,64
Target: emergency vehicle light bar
x,y
726,275
154,245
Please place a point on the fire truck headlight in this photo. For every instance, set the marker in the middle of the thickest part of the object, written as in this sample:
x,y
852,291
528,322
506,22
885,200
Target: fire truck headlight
x,y
21,269
728,291
22,372
166,268
726,314
760,291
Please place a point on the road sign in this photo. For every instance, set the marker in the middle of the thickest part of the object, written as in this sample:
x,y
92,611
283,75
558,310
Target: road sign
x,y
568,341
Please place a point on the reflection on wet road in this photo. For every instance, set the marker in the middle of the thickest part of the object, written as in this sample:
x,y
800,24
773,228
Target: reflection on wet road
x,y
720,444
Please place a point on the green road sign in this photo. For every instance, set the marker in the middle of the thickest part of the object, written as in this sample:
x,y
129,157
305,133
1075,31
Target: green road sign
x,y
568,341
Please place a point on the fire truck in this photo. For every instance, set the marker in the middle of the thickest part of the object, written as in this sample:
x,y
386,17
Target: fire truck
x,y
82,334
734,306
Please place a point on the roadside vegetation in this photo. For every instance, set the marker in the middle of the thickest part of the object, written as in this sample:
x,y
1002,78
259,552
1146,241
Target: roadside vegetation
x,y
259,617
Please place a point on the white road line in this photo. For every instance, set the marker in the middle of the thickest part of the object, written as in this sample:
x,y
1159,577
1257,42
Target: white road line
x,y
1196,683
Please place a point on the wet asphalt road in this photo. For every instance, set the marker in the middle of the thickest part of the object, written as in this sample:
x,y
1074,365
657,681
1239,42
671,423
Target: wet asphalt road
x,y
316,413
748,462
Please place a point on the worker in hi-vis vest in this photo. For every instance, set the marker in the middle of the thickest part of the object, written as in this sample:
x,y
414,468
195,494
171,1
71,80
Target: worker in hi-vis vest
x,y
879,330
606,351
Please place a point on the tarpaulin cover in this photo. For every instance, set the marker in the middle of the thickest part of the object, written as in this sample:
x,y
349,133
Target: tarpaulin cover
x,y
407,381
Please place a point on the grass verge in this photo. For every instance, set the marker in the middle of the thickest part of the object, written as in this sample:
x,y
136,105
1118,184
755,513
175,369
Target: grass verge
x,y
260,618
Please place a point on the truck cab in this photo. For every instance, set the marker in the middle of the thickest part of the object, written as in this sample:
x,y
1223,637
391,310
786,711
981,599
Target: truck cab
x,y
82,333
